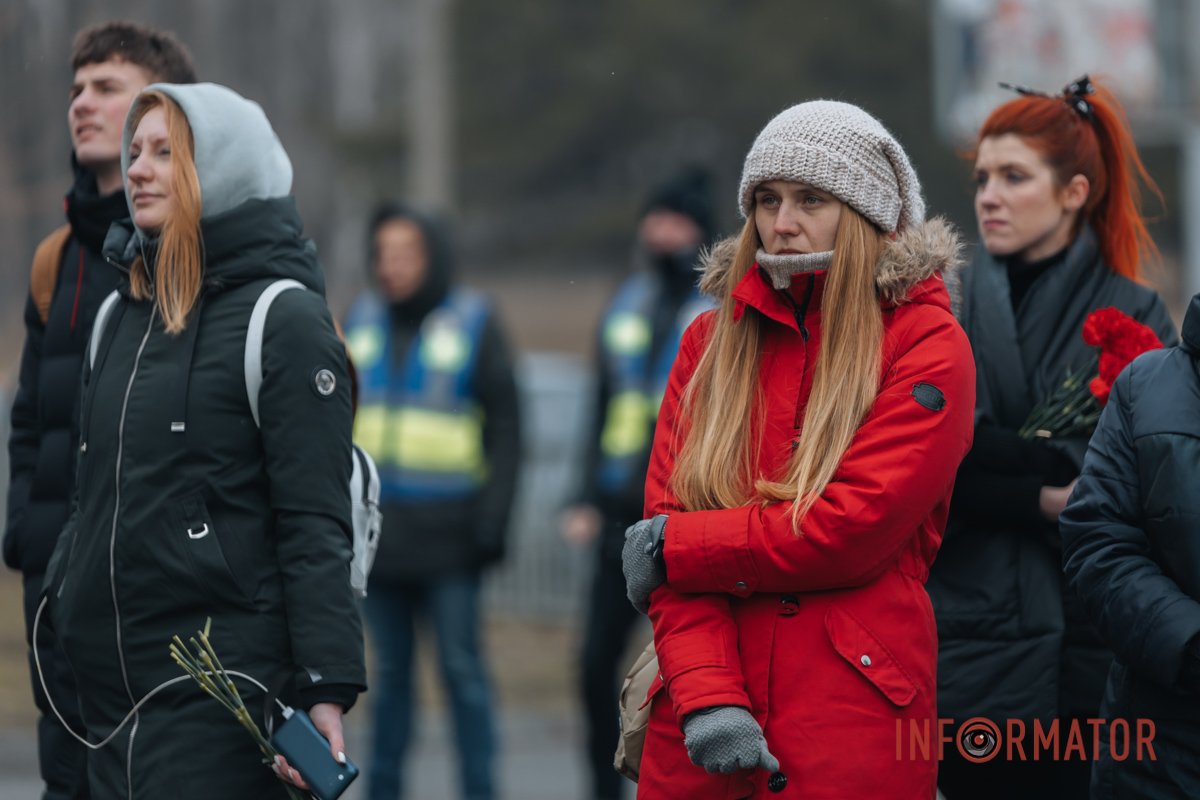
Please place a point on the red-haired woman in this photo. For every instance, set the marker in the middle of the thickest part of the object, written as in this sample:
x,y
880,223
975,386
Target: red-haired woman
x,y
1058,206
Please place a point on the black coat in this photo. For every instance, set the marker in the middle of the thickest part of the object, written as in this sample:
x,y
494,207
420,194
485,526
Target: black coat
x,y
249,527
1012,641
1131,549
45,412
42,445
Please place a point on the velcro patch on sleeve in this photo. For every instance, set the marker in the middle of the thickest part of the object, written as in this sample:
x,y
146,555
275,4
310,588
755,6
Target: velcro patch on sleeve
x,y
929,396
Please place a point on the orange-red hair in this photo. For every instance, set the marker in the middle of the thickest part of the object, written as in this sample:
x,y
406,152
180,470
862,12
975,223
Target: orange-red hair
x,y
1103,151
180,265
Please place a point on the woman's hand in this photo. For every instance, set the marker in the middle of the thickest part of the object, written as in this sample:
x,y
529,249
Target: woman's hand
x,y
327,717
724,739
642,562
1053,499
579,525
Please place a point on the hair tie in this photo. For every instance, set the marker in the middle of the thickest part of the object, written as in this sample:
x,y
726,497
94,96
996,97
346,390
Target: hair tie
x,y
1074,94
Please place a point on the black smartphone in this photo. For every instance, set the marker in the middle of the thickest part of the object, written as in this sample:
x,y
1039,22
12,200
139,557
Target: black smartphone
x,y
308,752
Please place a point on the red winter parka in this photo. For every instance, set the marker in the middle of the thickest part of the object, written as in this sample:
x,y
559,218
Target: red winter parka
x,y
828,636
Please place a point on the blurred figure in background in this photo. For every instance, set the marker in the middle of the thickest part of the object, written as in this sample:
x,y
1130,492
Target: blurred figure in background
x,y
438,411
638,338
112,61
1062,235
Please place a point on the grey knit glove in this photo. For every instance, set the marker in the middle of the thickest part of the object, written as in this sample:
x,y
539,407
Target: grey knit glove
x,y
725,739
642,562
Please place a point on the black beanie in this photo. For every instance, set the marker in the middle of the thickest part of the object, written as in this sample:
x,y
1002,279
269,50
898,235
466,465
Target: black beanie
x,y
689,192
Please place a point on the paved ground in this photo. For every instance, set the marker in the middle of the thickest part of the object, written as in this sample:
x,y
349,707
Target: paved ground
x,y
534,675
540,759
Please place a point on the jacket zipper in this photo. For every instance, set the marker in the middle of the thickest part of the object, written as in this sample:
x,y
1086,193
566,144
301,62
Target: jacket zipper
x,y
112,545
800,312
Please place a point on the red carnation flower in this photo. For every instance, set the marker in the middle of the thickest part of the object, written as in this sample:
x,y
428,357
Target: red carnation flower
x,y
1073,408
1121,339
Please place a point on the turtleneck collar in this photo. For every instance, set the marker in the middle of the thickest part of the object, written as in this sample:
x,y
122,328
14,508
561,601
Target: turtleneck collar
x,y
782,268
1017,264
1023,274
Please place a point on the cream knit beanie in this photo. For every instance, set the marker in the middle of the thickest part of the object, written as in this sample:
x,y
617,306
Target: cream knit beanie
x,y
840,149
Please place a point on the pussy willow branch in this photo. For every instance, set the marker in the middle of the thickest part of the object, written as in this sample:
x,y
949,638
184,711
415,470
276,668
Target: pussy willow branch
x,y
200,661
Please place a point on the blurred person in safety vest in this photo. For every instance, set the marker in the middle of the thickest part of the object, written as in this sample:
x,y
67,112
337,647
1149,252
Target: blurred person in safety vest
x,y
438,412
638,338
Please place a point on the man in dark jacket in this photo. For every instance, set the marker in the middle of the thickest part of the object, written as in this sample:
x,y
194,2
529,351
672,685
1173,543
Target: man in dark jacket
x,y
438,412
638,339
1131,549
112,63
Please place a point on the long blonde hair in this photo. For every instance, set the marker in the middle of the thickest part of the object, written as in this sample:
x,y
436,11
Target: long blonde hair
x,y
716,465
179,265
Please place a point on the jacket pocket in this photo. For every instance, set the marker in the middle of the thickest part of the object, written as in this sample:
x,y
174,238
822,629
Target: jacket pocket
x,y
56,569
869,656
198,535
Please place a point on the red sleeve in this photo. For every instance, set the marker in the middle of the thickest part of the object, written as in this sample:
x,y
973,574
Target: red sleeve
x,y
694,635
898,469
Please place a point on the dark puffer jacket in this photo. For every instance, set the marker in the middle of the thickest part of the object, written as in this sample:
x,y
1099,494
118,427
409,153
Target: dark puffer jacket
x,y
1131,549
42,447
220,521
186,510
46,408
1012,641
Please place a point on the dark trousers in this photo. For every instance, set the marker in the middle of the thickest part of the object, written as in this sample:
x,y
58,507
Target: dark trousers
x,y
62,760
450,603
610,619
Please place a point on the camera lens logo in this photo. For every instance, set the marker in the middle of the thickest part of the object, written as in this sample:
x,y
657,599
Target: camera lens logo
x,y
979,740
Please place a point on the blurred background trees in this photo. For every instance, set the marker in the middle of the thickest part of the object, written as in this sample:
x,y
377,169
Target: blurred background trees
x,y
538,124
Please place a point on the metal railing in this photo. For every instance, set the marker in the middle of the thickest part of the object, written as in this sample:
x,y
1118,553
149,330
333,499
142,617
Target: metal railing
x,y
542,576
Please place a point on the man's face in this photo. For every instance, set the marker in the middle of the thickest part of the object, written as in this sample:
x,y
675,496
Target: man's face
x,y
401,259
100,98
665,232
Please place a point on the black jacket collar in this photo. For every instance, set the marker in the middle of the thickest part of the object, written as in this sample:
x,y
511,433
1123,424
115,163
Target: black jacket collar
x,y
90,213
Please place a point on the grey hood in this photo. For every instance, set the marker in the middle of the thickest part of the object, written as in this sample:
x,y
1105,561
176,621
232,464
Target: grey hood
x,y
238,156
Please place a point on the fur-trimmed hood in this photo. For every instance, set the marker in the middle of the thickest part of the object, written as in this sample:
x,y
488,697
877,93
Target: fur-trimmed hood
x,y
933,247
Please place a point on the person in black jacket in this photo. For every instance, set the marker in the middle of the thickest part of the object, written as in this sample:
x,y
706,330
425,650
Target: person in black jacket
x,y
112,62
1131,549
637,341
189,506
438,411
1062,236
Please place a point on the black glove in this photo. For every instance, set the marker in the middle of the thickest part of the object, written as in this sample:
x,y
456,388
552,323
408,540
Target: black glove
x,y
642,560
725,739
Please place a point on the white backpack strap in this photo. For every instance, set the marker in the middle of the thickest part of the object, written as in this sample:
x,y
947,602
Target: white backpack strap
x,y
102,315
252,360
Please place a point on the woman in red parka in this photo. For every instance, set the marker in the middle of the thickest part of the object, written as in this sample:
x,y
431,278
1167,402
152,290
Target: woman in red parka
x,y
800,479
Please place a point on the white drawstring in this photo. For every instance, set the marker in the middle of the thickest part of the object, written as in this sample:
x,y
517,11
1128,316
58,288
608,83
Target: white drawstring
x,y
42,679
